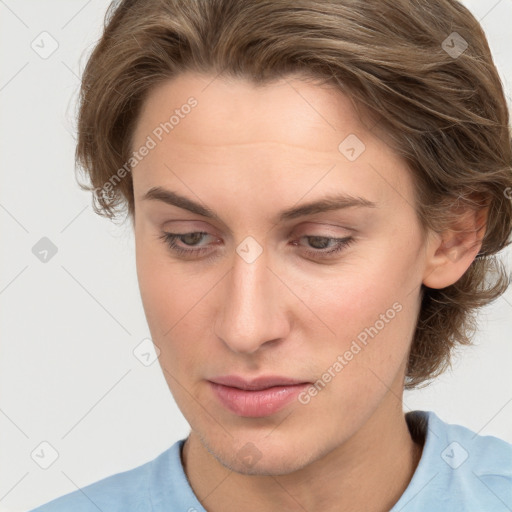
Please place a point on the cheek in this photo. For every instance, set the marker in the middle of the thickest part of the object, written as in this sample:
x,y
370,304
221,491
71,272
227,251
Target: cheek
x,y
180,302
371,307
356,293
153,282
173,298
163,290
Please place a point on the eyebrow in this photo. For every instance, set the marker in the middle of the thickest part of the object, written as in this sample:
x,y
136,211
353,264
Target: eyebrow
x,y
327,203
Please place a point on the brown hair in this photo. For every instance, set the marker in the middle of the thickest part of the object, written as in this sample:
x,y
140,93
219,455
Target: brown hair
x,y
424,69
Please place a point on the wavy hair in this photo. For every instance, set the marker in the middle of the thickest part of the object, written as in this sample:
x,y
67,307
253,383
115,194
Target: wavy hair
x,y
422,68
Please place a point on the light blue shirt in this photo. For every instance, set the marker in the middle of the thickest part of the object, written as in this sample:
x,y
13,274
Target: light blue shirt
x,y
458,471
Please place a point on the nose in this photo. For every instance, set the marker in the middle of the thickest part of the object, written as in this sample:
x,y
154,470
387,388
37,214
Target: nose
x,y
253,310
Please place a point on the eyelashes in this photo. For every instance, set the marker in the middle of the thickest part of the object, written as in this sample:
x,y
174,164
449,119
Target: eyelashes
x,y
171,239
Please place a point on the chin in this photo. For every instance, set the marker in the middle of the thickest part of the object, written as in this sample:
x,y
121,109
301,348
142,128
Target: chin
x,y
261,457
268,465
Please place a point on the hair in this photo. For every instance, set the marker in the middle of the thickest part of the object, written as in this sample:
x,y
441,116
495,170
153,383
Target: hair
x,y
444,112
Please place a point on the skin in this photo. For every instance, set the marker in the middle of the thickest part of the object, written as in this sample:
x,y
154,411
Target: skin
x,y
247,153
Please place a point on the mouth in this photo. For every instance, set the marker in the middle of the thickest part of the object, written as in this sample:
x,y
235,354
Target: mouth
x,y
256,398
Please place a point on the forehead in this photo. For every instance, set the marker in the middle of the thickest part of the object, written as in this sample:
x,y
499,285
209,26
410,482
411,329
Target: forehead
x,y
285,135
290,111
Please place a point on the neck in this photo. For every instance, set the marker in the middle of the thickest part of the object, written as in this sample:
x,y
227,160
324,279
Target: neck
x,y
370,472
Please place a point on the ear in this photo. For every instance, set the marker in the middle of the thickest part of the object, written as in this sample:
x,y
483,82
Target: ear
x,y
450,253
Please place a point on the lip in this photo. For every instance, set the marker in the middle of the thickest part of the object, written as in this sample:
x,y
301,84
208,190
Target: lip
x,y
255,398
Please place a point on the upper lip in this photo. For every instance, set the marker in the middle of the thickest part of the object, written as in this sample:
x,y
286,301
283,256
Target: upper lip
x,y
258,383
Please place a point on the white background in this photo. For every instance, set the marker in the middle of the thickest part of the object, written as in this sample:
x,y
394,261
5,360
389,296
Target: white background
x,y
69,326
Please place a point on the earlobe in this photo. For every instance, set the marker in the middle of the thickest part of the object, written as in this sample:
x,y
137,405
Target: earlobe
x,y
450,253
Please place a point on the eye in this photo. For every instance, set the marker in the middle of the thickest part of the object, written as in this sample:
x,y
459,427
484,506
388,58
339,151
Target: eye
x,y
323,246
321,242
189,239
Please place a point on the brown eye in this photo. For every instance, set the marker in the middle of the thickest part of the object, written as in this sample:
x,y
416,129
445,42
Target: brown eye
x,y
320,243
189,239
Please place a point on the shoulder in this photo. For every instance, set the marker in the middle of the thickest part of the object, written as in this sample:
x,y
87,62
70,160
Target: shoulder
x,y
459,469
126,491
485,455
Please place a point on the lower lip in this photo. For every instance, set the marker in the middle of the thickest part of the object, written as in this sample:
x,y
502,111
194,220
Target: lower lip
x,y
257,404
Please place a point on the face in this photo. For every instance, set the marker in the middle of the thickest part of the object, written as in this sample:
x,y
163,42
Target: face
x,y
282,327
